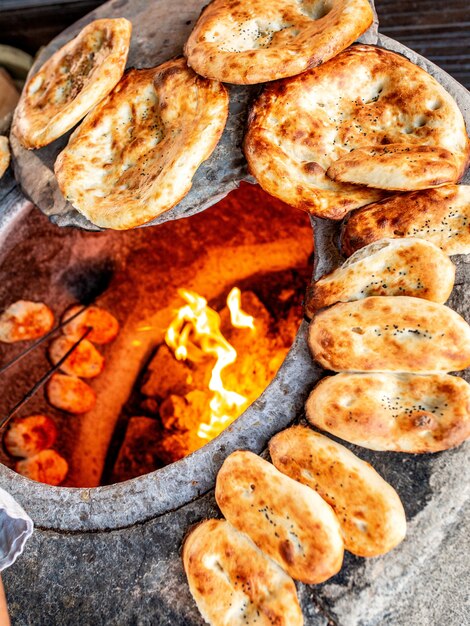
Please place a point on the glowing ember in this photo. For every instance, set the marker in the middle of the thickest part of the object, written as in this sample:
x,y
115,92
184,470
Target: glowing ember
x,y
195,328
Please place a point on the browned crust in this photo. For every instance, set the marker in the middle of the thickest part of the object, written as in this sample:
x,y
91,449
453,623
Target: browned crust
x,y
398,412
397,333
441,216
229,577
299,127
252,41
72,82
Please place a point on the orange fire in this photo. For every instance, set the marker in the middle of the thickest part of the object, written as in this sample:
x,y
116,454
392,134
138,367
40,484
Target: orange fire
x,y
195,328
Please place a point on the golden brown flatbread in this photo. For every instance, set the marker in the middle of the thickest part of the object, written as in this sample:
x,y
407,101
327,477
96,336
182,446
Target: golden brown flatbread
x,y
288,521
135,154
24,320
253,41
400,412
27,436
361,101
388,267
72,82
441,216
390,334
104,326
234,583
369,510
71,394
47,466
85,361
4,155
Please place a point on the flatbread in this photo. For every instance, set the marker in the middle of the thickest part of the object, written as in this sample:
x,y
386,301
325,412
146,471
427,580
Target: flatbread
x,y
441,216
104,326
24,320
400,412
85,361
47,466
364,100
234,583
4,155
388,267
390,334
135,154
369,510
72,82
288,521
27,436
253,41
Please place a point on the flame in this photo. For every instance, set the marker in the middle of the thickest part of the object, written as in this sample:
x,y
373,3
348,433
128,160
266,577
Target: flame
x,y
197,327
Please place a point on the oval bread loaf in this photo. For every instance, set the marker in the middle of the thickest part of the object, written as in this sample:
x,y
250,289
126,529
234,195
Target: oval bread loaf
x,y
400,412
233,582
24,320
289,522
69,84
390,334
69,393
358,103
253,41
135,154
388,267
441,216
85,361
369,510
104,326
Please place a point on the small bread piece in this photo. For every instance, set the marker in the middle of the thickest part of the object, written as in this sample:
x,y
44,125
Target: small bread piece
x,y
390,334
45,467
72,82
441,216
29,435
4,155
364,98
369,510
234,583
135,155
388,267
400,412
84,362
291,523
253,41
70,394
104,326
25,320
396,167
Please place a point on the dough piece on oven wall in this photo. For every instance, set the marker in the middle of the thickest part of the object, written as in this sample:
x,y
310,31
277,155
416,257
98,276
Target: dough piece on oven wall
x,y
401,412
288,521
233,582
388,267
396,333
254,41
369,510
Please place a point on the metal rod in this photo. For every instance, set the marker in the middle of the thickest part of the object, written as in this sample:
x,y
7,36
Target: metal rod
x,y
42,339
4,420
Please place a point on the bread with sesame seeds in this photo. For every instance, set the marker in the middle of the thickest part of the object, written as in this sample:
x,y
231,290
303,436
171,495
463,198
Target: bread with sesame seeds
x,y
134,156
411,413
360,102
288,521
388,267
233,582
390,334
441,216
72,82
369,510
253,41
